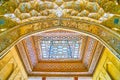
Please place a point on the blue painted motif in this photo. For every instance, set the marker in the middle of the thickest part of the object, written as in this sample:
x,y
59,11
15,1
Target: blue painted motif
x,y
116,21
2,22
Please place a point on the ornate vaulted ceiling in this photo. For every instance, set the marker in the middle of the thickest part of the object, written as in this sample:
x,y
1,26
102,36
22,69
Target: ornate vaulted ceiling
x,y
98,18
65,52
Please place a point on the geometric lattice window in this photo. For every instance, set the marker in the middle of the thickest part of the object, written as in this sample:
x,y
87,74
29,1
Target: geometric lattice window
x,y
60,48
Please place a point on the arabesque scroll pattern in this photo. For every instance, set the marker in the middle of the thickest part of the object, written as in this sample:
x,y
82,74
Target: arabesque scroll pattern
x,y
109,38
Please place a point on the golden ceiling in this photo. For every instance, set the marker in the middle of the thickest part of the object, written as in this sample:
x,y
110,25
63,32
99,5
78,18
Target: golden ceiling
x,y
29,10
99,19
24,10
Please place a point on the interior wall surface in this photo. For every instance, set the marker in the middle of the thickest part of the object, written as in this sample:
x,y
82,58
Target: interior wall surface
x,y
11,67
108,67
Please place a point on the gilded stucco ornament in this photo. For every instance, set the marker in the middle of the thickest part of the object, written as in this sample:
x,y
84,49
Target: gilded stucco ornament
x,y
25,10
